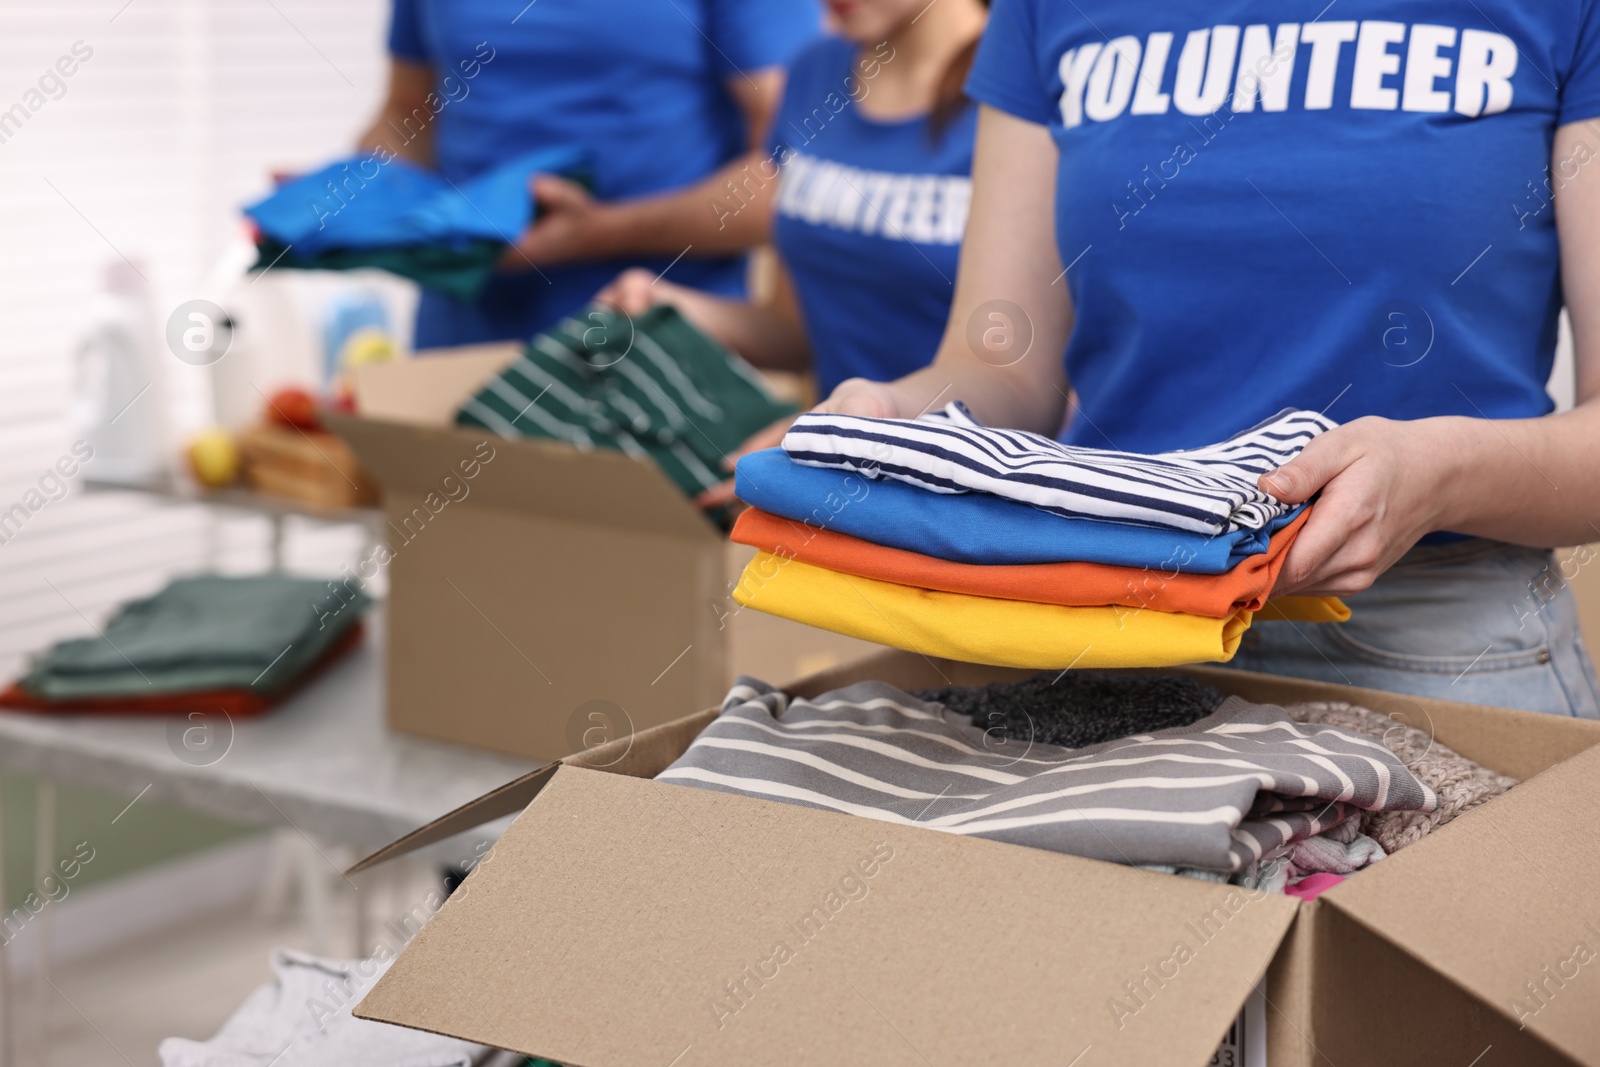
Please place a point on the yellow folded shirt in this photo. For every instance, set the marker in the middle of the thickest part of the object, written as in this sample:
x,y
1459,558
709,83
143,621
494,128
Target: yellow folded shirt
x,y
1007,633
1304,609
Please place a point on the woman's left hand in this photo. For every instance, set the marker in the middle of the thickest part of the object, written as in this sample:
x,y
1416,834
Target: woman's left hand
x,y
722,494
569,224
1383,484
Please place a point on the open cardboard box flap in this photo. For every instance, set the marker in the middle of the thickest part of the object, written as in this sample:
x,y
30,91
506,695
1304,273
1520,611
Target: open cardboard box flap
x,y
544,478
623,921
528,475
427,390
644,754
1523,871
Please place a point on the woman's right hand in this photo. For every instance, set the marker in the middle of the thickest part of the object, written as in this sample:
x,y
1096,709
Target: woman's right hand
x,y
636,290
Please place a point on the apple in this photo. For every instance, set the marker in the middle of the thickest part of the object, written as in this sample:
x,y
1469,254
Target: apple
x,y
213,458
293,407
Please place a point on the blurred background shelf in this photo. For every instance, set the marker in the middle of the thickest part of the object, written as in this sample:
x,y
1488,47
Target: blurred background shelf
x,y
274,508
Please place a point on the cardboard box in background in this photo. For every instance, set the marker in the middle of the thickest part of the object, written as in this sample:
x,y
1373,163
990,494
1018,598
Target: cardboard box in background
x,y
542,598
621,921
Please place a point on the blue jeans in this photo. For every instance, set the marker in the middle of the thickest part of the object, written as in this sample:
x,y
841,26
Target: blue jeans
x,y
1475,621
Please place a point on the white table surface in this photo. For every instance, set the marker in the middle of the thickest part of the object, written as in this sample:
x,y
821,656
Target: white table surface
x,y
323,762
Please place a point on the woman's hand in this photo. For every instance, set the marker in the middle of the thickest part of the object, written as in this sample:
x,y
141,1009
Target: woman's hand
x,y
859,396
854,396
1383,484
722,493
636,290
568,225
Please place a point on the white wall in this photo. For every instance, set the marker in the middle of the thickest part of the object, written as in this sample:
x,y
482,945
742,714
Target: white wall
x,y
180,115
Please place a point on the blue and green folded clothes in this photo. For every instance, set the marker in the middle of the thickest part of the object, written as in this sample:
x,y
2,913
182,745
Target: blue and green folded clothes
x,y
980,527
652,386
460,271
252,634
361,203
399,217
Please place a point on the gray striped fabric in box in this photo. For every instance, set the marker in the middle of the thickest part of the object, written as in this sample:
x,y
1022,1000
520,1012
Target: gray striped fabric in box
x,y
1235,787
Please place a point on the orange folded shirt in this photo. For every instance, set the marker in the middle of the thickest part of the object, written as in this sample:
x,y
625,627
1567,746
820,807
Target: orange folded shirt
x,y
1216,596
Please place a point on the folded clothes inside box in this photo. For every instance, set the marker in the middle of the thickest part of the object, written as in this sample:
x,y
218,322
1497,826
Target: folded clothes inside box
x,y
1246,790
755,905
238,643
651,386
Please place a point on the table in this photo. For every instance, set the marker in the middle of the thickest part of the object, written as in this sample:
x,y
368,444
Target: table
x,y
176,489
323,764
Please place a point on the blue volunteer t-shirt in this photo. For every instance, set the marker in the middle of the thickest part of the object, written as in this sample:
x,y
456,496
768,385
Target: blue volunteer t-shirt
x,y
1260,208
869,218
638,85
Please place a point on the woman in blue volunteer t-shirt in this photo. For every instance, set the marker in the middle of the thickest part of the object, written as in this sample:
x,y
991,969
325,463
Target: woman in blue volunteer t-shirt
x,y
1376,211
871,152
666,100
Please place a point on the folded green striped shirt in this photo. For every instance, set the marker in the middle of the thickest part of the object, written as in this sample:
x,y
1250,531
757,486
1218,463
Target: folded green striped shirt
x,y
652,386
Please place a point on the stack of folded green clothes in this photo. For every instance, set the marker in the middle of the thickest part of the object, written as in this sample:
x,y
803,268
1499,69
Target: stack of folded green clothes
x,y
652,386
398,217
460,269
205,643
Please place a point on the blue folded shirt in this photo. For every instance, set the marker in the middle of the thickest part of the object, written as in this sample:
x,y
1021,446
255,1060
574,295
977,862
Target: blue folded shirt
x,y
358,203
978,527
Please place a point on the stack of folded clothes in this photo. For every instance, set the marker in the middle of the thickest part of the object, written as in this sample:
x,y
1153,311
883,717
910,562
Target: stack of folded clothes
x,y
1171,775
944,537
395,216
206,644
651,386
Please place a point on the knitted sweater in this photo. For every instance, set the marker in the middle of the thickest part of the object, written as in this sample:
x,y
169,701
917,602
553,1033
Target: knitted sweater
x,y
1461,784
1077,708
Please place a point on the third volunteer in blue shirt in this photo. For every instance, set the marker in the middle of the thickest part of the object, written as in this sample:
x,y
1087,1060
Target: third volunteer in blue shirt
x,y
665,97
871,153
1375,210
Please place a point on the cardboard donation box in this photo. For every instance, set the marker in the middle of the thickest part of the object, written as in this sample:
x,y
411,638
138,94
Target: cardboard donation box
x,y
623,921
542,598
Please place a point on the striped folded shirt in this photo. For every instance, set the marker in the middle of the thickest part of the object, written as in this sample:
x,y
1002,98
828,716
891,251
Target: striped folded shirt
x,y
1242,784
1208,490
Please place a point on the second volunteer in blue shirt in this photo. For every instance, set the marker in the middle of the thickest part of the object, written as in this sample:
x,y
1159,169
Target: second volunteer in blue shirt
x,y
664,97
869,215
1375,211
871,152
